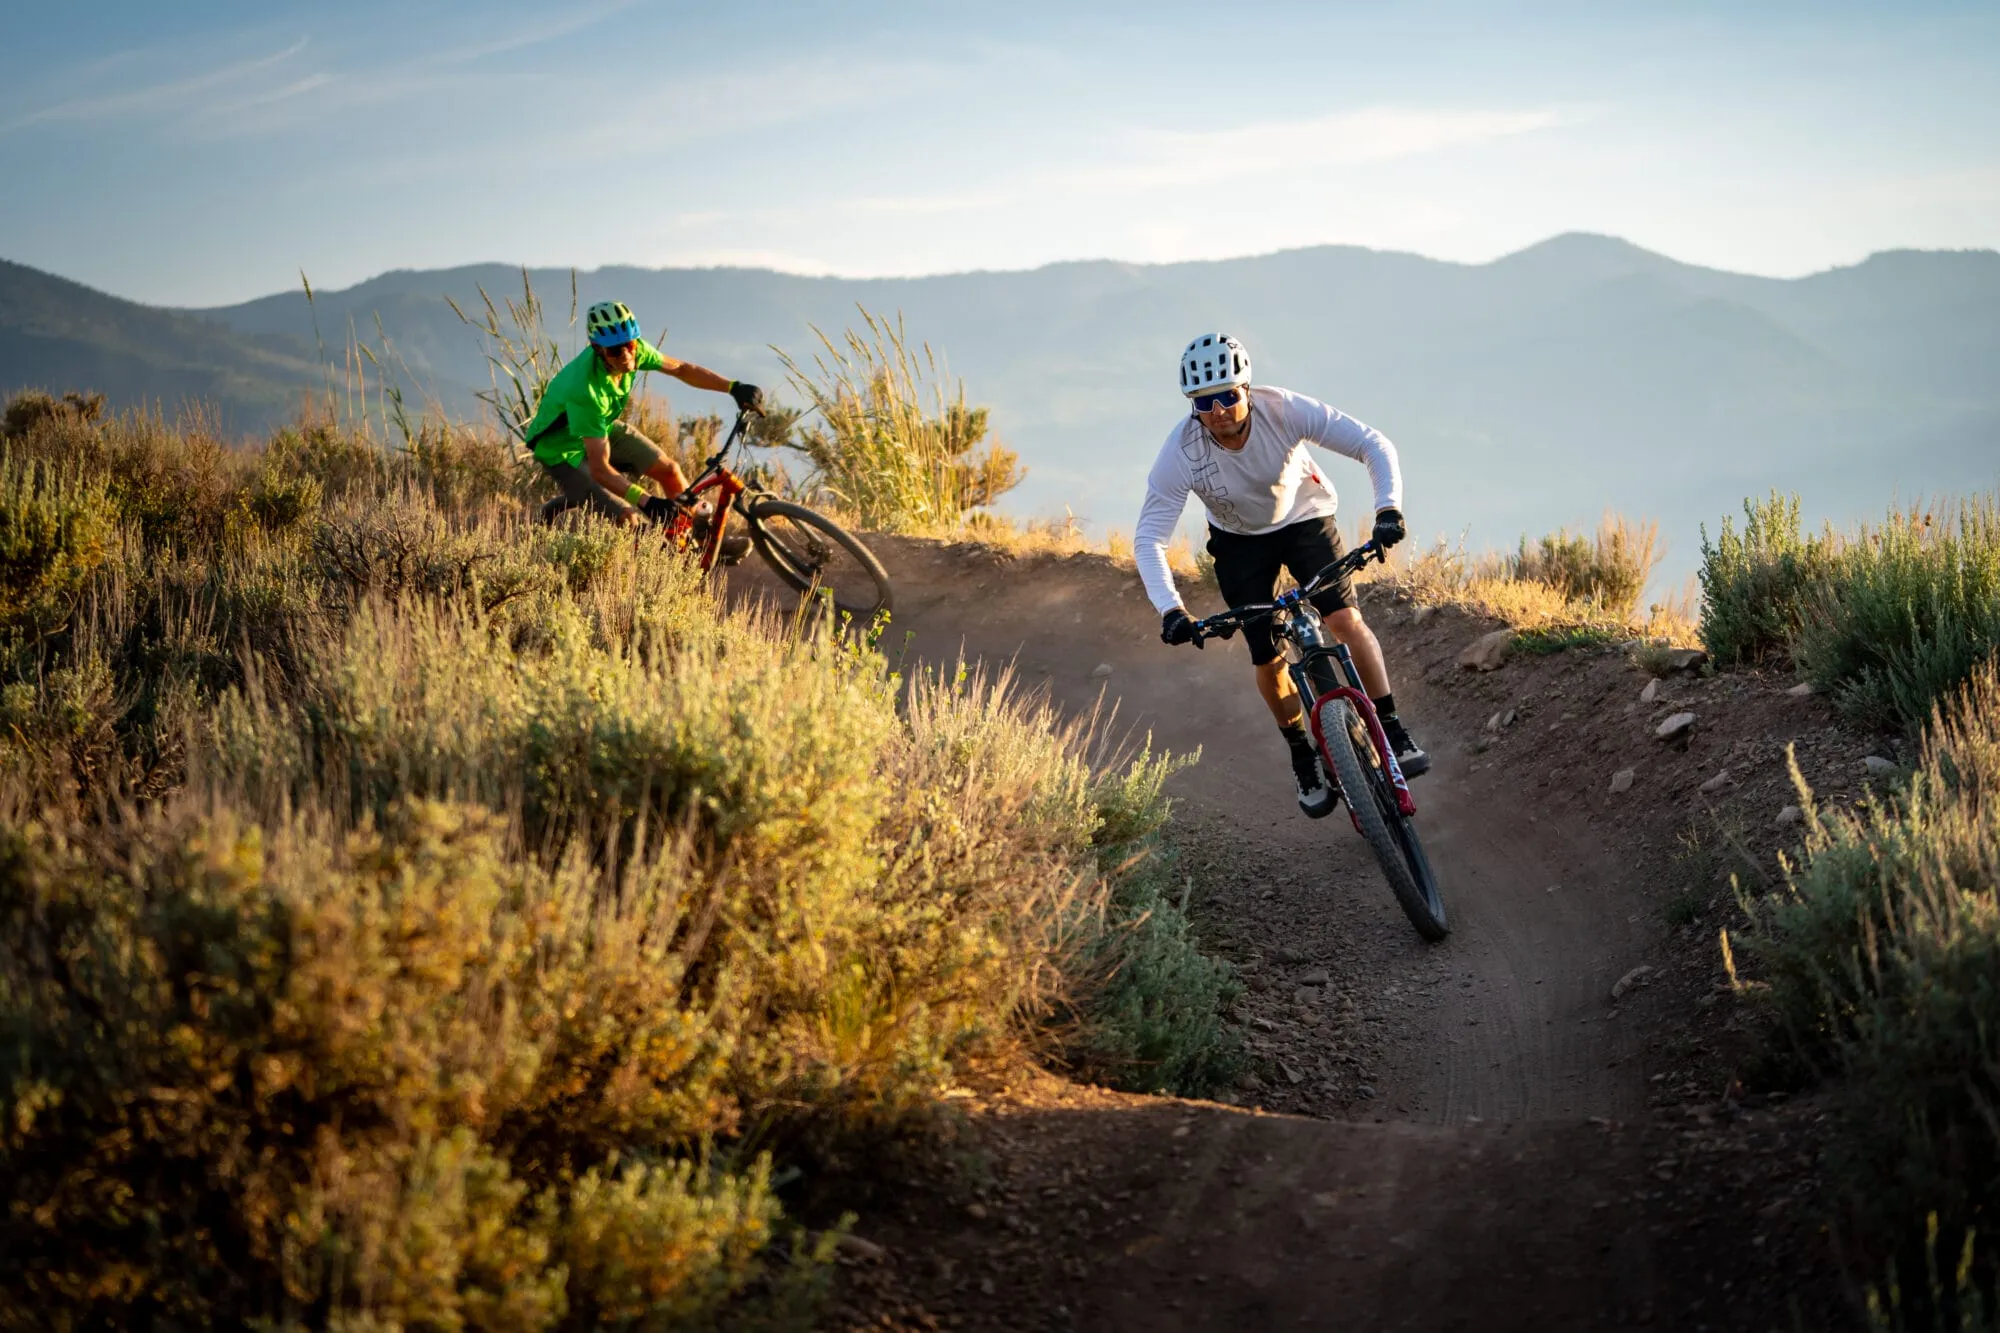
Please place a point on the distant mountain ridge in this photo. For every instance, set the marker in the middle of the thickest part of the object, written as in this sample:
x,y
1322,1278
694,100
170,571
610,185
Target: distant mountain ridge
x,y
1539,389
59,334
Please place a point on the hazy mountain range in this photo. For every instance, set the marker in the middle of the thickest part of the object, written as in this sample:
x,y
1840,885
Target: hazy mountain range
x,y
1533,391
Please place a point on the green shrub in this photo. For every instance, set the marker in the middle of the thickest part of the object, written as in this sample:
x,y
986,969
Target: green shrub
x,y
1544,640
30,409
464,471
665,1247
1150,1017
269,1070
55,531
1759,587
343,463
1909,610
1884,958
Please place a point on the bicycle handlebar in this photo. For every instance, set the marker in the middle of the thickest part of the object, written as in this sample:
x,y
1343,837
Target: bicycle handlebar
x,y
1224,624
729,441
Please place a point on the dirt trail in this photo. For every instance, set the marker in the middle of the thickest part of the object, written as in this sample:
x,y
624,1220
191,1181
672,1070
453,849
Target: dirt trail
x,y
1486,1178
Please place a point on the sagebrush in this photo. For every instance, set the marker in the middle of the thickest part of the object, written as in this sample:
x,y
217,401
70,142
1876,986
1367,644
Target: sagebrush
x,y
1882,953
418,917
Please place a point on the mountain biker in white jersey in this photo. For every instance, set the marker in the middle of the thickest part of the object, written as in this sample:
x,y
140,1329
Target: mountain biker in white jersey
x,y
1242,450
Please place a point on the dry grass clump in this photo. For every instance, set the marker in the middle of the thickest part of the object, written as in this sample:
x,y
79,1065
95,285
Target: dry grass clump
x,y
1607,571
1564,590
1882,953
1061,537
892,449
415,915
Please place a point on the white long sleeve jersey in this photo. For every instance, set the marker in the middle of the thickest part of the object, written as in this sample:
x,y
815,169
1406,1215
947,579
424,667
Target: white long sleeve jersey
x,y
1269,483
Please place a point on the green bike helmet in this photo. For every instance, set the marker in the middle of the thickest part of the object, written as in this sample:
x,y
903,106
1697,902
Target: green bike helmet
x,y
610,324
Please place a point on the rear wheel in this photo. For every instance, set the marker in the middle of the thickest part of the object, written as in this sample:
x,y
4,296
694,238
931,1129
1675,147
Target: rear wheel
x,y
1390,834
815,555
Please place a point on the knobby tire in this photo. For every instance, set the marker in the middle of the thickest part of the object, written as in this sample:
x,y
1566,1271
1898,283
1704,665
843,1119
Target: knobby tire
x,y
862,597
1370,796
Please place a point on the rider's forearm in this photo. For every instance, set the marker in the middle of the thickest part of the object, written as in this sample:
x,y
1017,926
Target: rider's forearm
x,y
700,377
1157,517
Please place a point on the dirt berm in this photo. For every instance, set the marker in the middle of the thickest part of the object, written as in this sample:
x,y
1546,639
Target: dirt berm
x,y
1474,1135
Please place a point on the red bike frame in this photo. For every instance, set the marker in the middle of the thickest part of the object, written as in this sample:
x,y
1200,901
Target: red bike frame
x,y
1379,738
715,476
727,486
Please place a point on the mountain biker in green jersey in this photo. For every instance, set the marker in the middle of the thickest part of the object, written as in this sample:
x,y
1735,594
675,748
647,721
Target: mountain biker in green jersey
x,y
1242,450
596,458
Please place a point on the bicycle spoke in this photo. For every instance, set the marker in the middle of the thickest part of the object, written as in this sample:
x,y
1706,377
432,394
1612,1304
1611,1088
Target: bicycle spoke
x,y
814,555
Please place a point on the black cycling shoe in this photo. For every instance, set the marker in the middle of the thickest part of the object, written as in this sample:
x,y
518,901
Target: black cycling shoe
x,y
734,545
1409,755
1317,796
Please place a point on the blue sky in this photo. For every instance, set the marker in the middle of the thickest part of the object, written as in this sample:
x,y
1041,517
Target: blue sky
x,y
201,153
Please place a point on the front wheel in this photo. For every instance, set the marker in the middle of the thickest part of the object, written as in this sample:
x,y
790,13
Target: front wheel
x,y
1390,834
813,554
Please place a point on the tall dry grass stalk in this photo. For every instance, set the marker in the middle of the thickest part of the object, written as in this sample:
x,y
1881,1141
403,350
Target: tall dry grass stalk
x,y
521,356
893,448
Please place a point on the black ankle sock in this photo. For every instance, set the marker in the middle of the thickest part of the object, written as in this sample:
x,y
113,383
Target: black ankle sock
x,y
1386,705
1296,736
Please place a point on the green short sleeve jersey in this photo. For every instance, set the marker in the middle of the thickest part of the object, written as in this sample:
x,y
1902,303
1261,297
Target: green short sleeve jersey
x,y
581,402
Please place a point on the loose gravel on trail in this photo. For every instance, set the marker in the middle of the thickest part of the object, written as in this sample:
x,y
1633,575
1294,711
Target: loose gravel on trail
x,y
1536,1124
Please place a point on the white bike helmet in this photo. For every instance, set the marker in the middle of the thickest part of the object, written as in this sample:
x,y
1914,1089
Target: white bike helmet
x,y
1212,361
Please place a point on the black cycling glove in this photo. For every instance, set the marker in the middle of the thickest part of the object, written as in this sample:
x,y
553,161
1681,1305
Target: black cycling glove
x,y
1176,627
659,508
749,398
1389,528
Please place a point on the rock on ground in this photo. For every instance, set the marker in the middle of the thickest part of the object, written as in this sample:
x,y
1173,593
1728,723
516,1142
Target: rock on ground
x,y
1488,652
1677,725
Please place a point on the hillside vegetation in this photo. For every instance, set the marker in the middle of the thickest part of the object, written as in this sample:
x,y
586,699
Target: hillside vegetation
x,y
1882,946
419,918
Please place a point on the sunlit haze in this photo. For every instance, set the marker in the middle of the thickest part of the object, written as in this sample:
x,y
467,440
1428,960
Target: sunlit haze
x,y
204,153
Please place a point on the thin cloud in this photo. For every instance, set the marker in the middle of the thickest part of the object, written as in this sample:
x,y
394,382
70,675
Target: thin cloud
x,y
159,99
1374,134
535,37
259,101
796,90
1160,159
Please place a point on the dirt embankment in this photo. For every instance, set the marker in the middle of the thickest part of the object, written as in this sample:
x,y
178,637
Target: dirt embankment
x,y
1549,1121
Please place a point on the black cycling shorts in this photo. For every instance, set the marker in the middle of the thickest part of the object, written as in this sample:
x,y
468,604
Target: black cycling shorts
x,y
1246,570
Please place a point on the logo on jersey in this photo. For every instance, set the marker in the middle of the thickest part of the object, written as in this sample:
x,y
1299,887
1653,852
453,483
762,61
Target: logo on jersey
x,y
1205,474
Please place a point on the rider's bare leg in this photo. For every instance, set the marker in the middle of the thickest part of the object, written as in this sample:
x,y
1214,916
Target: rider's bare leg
x,y
668,473
1275,684
1348,626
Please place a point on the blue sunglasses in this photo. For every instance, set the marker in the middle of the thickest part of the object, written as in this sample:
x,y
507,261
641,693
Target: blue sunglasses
x,y
1208,402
